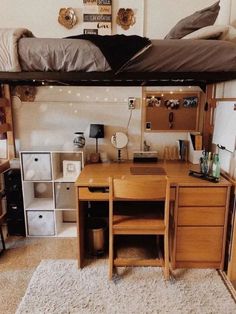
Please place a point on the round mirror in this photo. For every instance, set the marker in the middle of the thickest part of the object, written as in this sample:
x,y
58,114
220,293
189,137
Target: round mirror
x,y
119,140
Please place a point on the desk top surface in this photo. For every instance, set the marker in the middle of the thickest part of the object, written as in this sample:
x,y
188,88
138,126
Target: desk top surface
x,y
178,173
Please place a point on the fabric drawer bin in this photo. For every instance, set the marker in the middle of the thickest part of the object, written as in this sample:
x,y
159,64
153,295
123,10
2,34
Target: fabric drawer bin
x,y
40,223
36,166
65,196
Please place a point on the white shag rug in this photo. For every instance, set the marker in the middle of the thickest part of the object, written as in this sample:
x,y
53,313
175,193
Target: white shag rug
x,y
58,286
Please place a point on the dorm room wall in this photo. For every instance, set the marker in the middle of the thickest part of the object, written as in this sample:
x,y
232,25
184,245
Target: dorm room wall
x,y
157,17
154,18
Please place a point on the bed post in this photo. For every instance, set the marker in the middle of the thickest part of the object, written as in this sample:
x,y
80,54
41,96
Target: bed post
x,y
7,126
209,107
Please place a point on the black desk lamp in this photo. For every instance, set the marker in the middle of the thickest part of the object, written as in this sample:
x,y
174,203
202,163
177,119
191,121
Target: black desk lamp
x,y
96,131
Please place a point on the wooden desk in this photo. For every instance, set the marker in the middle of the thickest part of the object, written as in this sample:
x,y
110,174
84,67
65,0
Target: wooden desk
x,y
197,223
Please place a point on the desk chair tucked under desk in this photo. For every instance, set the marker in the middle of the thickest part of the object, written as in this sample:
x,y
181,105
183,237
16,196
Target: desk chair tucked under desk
x,y
129,220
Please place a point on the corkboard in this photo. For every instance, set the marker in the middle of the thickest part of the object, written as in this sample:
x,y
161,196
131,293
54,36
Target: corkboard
x,y
179,116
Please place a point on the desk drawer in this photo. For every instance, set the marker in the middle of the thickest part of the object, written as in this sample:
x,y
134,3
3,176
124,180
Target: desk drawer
x,y
199,244
201,216
202,196
102,194
93,194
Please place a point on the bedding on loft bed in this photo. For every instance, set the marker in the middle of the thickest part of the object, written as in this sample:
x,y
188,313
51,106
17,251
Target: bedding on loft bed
x,y
114,60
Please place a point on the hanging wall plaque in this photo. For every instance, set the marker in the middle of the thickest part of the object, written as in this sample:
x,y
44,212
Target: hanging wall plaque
x,y
97,17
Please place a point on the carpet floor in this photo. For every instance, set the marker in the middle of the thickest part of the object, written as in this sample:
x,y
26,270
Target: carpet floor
x,y
57,286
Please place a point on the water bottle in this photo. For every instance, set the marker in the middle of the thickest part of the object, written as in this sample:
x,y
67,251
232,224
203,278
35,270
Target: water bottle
x,y
216,166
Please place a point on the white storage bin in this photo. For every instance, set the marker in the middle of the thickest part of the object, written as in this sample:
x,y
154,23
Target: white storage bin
x,y
66,223
36,166
40,223
65,196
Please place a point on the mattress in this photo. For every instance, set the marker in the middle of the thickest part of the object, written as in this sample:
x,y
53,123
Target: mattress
x,y
81,62
67,55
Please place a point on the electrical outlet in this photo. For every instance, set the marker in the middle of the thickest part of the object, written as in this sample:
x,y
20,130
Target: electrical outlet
x,y
131,103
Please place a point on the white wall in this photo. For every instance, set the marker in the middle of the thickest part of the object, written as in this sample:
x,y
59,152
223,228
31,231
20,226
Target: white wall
x,y
233,13
154,18
162,15
58,112
41,16
227,90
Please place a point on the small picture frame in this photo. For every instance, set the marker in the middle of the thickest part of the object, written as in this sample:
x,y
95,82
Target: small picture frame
x,y
172,104
190,102
153,101
71,169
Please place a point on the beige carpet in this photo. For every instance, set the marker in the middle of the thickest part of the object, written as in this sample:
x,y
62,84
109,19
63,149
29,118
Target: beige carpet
x,y
13,285
57,286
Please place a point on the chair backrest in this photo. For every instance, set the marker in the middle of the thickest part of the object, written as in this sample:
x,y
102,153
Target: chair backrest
x,y
139,188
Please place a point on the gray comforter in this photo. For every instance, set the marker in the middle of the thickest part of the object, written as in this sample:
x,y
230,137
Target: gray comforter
x,y
186,55
53,54
21,53
182,55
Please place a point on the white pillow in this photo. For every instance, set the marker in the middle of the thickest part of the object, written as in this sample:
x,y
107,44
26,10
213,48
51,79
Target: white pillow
x,y
230,35
209,32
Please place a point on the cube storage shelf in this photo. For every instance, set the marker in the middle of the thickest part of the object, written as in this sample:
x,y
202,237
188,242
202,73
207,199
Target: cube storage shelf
x,y
49,192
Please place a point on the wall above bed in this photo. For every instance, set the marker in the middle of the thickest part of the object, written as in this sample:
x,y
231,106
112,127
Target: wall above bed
x,y
154,18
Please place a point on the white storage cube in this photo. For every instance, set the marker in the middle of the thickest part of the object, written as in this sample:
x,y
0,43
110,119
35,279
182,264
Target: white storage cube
x,y
36,166
66,223
40,223
65,195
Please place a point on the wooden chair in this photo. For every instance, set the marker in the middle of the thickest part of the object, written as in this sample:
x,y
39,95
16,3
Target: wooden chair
x,y
144,222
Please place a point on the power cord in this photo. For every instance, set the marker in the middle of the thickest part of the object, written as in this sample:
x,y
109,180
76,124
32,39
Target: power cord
x,y
127,131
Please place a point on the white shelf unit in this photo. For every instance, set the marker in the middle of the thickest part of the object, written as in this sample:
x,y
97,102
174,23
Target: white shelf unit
x,y
49,191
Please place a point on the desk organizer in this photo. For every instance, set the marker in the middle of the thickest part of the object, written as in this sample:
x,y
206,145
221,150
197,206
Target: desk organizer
x,y
203,176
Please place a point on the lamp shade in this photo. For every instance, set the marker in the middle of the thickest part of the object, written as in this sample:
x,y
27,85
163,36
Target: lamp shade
x,y
96,131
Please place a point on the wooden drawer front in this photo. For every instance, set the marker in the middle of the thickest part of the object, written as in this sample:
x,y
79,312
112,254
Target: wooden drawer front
x,y
203,216
202,196
96,195
36,166
199,244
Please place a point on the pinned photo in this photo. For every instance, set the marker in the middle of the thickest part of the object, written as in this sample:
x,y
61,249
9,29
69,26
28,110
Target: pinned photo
x,y
153,101
190,102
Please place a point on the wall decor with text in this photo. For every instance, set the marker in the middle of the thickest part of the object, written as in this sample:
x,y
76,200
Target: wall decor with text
x,y
97,17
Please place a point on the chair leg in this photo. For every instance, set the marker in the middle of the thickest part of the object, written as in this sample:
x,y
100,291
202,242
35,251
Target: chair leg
x,y
166,258
111,257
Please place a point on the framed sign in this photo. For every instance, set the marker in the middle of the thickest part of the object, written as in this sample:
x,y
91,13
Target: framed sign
x,y
97,17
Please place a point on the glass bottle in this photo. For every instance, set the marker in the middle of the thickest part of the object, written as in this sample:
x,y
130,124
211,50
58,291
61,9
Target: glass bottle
x,y
216,166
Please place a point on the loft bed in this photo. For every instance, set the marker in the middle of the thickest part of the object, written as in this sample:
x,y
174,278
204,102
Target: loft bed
x,y
114,60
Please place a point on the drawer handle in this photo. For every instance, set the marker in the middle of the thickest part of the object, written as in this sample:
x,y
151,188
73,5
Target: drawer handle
x,y
40,216
36,159
67,188
98,189
14,207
